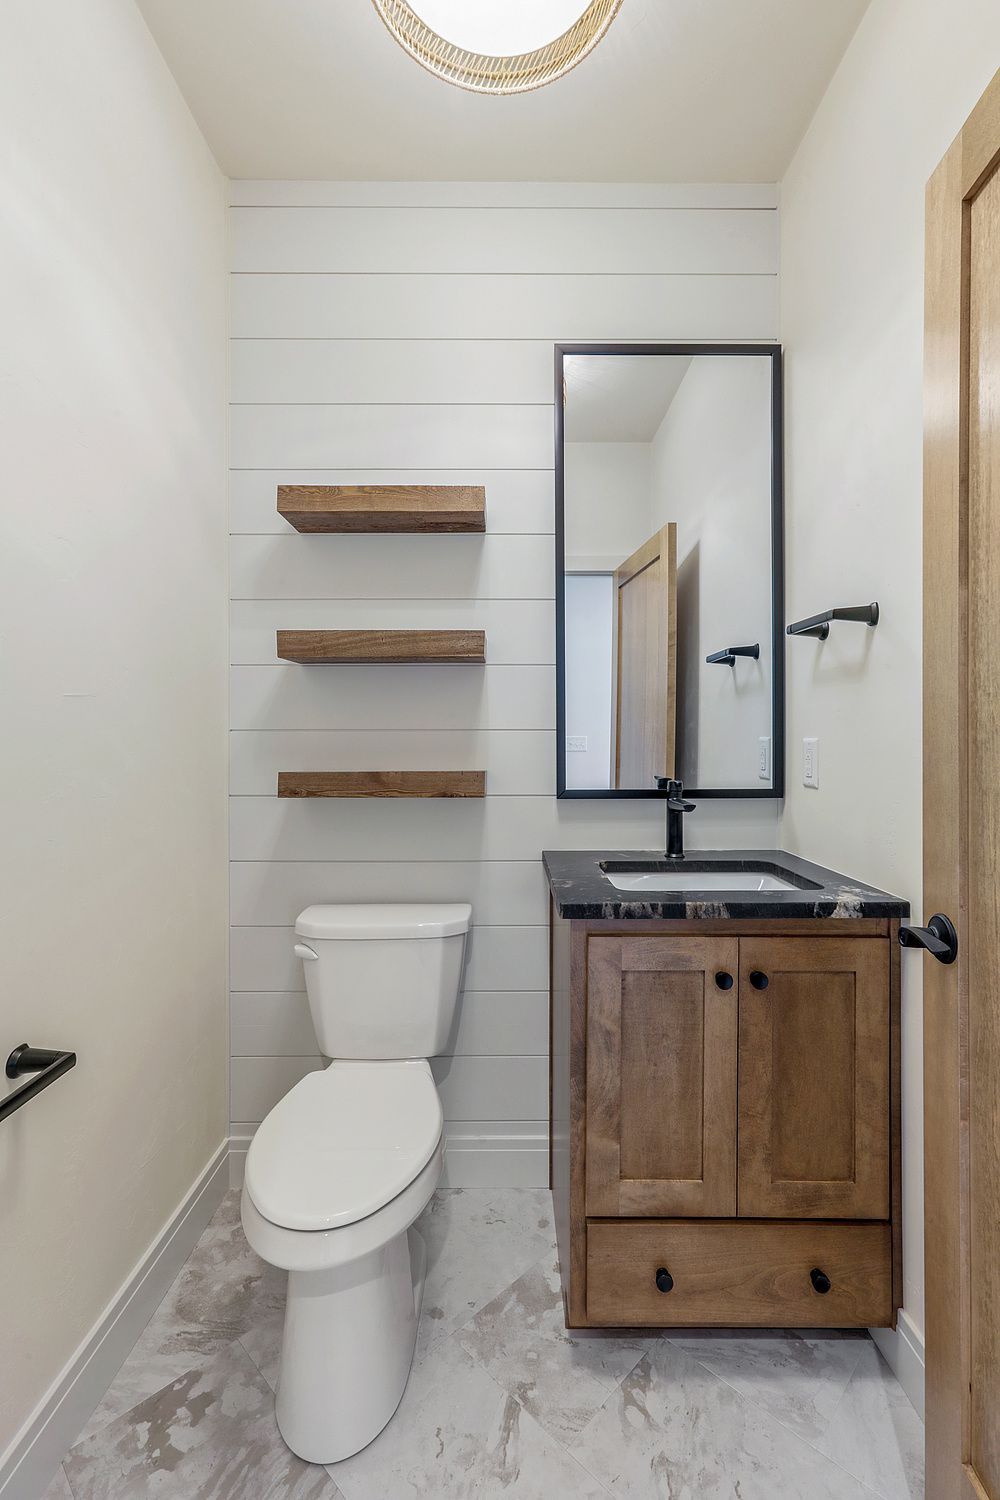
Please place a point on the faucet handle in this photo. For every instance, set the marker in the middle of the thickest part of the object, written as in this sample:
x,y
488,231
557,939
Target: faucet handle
x,y
675,793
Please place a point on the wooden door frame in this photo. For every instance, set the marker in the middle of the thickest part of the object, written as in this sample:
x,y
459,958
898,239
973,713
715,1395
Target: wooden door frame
x,y
972,158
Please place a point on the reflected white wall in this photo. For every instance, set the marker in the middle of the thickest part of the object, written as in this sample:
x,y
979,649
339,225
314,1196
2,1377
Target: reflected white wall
x,y
589,637
710,472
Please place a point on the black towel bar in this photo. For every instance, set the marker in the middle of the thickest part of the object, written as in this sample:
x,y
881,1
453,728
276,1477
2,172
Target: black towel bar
x,y
729,655
819,625
47,1066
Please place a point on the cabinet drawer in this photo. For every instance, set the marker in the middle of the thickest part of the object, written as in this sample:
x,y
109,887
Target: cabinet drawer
x,y
738,1274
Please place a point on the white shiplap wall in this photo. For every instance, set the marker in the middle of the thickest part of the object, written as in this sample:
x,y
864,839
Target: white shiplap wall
x,y
403,333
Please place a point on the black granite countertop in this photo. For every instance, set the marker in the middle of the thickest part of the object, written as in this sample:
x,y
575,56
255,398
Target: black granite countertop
x,y
582,892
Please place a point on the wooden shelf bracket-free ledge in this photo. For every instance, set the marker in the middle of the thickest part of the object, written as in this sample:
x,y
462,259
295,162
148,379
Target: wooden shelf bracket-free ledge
x,y
364,647
376,507
381,783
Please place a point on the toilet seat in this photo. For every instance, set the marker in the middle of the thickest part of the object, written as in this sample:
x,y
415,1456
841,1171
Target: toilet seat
x,y
343,1143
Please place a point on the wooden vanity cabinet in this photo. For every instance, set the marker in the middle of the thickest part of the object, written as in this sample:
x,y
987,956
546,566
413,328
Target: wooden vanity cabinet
x,y
725,1102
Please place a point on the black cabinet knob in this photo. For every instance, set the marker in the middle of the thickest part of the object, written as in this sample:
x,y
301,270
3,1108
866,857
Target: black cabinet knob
x,y
820,1280
758,980
724,980
664,1280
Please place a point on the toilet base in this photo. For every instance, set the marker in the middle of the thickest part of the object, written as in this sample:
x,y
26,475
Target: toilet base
x,y
348,1346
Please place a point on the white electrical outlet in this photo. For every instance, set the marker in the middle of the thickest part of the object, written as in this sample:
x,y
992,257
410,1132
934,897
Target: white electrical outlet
x,y
764,757
810,762
576,744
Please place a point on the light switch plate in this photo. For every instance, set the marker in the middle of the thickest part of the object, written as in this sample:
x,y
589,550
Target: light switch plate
x,y
576,743
764,757
810,762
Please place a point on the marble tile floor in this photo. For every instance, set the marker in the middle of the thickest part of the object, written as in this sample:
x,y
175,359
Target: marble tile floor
x,y
501,1400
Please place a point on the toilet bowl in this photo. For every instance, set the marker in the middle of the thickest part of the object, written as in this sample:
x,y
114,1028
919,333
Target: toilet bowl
x,y
346,1161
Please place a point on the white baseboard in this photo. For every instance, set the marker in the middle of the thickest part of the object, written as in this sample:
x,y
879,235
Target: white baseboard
x,y
503,1156
475,1156
902,1348
239,1145
27,1467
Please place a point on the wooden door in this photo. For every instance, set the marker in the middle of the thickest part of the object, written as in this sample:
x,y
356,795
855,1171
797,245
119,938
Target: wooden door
x,y
814,1078
646,656
661,1076
962,811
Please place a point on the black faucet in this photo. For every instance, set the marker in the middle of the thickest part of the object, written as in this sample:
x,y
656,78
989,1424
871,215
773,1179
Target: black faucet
x,y
676,808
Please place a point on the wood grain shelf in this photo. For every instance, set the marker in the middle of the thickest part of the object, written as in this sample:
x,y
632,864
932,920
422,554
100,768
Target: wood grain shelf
x,y
330,647
381,783
376,507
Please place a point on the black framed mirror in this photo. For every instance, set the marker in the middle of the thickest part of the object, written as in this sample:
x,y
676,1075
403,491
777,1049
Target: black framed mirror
x,y
669,569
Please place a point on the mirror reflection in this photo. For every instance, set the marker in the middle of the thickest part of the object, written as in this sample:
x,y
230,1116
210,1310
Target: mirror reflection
x,y
669,588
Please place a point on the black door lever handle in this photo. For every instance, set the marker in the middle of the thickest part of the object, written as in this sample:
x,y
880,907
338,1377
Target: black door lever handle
x,y
938,937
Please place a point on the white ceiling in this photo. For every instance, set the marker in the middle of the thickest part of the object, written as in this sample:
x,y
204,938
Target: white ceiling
x,y
678,91
619,398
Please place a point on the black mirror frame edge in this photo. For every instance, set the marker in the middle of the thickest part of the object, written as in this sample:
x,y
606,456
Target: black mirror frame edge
x,y
777,788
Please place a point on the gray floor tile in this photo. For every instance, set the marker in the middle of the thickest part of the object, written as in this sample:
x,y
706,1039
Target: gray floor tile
x,y
501,1400
464,1437
262,1340
799,1378
223,1293
209,1434
674,1429
560,1378
59,1488
875,1432
477,1244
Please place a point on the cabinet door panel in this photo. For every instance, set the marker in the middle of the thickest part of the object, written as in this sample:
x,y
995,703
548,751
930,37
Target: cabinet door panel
x,y
661,1076
814,1078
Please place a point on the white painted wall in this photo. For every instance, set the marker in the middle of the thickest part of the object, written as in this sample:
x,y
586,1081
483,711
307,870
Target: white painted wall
x,y
710,472
112,577
852,293
590,607
607,502
386,332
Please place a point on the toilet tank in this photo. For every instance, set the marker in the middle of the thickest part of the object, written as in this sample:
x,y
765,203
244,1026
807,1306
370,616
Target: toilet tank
x,y
383,981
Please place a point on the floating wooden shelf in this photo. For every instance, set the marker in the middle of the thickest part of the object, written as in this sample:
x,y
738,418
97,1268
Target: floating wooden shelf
x,y
376,507
381,783
363,646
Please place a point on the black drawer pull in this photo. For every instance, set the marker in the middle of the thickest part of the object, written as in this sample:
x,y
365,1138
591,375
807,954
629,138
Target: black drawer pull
x,y
724,980
758,980
820,1280
664,1280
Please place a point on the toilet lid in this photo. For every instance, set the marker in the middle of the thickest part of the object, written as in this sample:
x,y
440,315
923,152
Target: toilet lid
x,y
343,1143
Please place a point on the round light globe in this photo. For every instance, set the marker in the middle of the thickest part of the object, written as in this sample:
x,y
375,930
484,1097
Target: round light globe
x,y
499,28
498,46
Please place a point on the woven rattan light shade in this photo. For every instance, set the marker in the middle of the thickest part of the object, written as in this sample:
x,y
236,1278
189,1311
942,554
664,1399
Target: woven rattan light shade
x,y
497,75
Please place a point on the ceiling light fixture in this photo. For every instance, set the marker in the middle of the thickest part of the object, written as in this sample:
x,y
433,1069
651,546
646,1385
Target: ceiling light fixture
x,y
498,46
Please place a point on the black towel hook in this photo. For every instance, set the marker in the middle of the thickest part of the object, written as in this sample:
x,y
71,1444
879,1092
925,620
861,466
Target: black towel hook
x,y
819,625
729,655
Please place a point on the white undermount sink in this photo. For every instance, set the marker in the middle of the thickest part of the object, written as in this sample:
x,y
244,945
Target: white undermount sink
x,y
696,880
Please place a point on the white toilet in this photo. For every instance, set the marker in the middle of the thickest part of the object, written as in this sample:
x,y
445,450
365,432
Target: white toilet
x,y
341,1167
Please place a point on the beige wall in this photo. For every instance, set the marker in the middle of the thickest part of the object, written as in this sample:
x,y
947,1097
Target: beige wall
x,y
851,292
112,673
